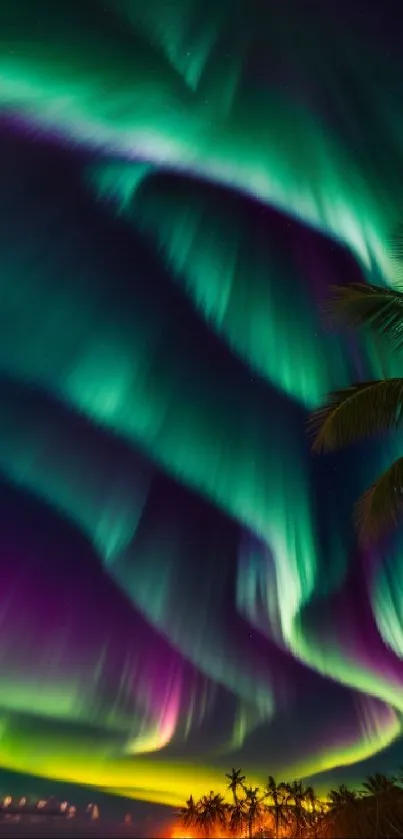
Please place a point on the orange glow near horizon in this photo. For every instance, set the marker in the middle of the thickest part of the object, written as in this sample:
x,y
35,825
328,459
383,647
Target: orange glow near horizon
x,y
180,832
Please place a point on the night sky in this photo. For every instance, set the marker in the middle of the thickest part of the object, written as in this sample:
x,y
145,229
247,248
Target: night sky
x,y
181,589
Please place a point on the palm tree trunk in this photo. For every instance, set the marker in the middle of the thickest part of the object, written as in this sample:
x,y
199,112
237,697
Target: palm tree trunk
x,y
377,815
277,818
297,823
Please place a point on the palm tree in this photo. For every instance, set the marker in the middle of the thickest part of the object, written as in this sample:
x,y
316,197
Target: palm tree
x,y
379,788
314,813
275,793
254,808
190,814
376,812
364,409
212,812
236,779
237,817
345,814
296,799
378,784
341,796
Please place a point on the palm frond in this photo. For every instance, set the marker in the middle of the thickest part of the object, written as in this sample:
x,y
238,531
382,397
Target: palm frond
x,y
357,412
362,304
396,252
381,507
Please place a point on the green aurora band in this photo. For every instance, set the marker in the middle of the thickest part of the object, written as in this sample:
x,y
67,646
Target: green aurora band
x,y
187,182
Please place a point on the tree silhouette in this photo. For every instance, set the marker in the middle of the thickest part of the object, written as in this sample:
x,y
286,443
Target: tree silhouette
x,y
296,799
236,779
254,808
238,817
190,814
340,796
378,784
293,810
212,811
367,408
314,812
276,794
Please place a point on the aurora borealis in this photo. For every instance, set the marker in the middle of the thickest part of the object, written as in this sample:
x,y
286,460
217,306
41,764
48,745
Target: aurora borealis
x,y
181,587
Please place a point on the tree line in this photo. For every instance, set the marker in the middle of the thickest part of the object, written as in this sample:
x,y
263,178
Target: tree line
x,y
293,810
